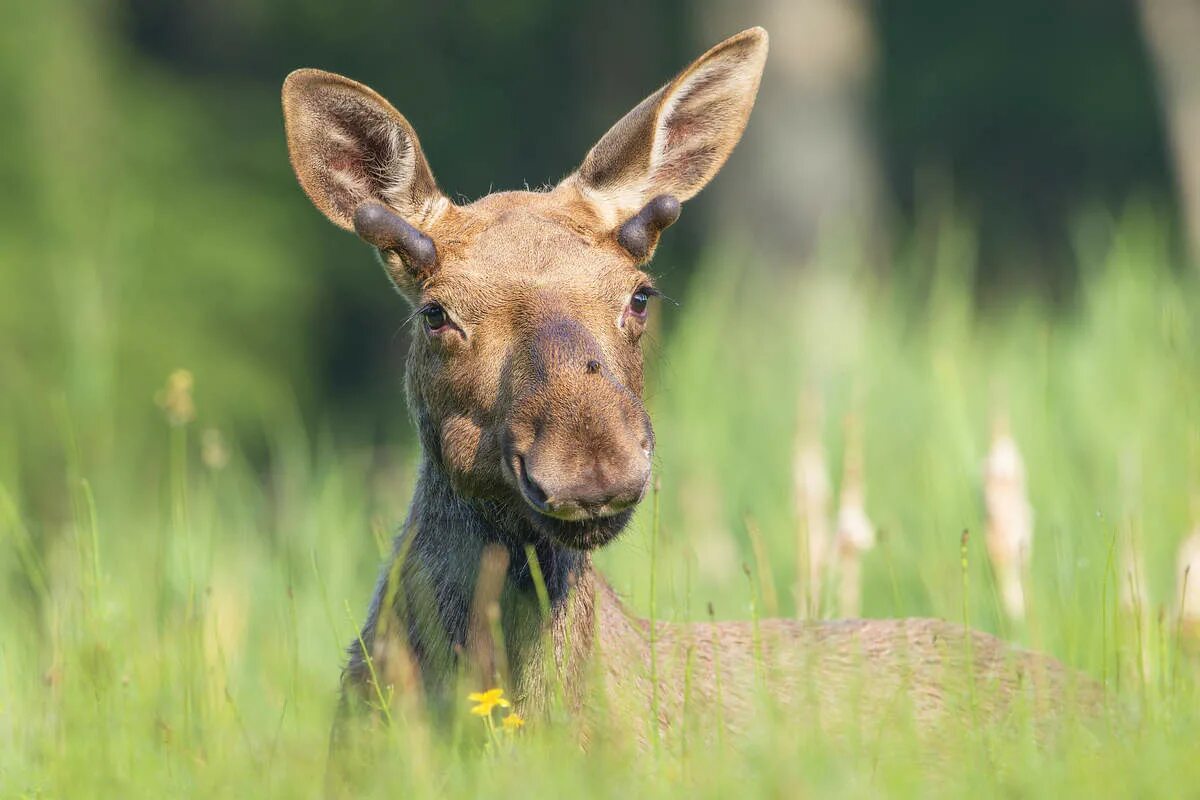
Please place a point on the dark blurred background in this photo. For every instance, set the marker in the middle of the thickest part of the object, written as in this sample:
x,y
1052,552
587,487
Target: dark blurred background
x,y
150,219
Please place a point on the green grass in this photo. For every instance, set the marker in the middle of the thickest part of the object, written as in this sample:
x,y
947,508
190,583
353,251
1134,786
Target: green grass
x,y
170,628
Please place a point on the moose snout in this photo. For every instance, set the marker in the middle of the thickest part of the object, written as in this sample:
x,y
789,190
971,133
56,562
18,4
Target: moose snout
x,y
582,486
591,464
578,442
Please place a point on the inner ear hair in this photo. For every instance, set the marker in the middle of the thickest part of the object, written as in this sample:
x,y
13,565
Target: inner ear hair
x,y
349,146
675,141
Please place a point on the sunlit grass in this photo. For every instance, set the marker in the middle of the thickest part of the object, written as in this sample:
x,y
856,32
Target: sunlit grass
x,y
175,619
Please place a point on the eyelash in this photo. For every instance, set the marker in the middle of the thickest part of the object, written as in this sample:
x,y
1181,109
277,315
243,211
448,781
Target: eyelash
x,y
631,308
425,311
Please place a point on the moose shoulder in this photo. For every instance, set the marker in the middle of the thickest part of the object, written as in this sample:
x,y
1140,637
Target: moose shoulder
x,y
525,380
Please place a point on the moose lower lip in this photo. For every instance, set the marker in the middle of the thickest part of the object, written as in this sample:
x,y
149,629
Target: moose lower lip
x,y
587,533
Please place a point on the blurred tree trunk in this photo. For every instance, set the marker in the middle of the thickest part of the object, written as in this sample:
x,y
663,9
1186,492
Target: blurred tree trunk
x,y
1172,30
808,173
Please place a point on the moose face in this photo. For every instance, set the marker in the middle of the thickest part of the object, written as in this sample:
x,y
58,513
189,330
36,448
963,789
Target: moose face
x,y
526,374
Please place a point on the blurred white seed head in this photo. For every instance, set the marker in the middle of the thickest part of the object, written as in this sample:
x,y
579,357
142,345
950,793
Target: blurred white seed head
x,y
812,493
854,529
1009,534
811,496
855,533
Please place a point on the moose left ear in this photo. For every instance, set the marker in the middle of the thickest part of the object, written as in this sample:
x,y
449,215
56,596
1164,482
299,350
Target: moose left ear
x,y
359,161
675,140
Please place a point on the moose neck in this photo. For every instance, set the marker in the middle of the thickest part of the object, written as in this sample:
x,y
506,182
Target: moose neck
x,y
444,603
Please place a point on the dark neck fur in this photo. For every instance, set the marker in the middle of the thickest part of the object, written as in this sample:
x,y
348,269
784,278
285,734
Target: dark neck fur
x,y
431,581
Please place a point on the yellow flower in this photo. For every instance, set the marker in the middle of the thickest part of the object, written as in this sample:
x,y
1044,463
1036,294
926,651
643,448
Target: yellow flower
x,y
513,721
487,701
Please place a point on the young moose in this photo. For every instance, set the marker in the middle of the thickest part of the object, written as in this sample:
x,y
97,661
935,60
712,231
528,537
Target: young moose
x,y
525,382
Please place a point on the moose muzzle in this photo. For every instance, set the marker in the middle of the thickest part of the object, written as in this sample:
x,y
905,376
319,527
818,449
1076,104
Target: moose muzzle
x,y
579,441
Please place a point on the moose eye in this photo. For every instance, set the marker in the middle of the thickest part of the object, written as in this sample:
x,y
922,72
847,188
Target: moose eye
x,y
435,317
637,303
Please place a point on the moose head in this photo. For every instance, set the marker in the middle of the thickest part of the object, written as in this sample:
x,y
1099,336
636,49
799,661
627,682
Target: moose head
x,y
525,377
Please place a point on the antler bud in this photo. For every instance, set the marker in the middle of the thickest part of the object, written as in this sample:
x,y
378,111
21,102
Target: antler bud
x,y
640,234
378,225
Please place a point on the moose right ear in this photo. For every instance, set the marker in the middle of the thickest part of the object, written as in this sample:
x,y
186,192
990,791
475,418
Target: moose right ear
x,y
358,158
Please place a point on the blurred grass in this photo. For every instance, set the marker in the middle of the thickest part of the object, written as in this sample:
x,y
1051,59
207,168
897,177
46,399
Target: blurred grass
x,y
176,625
148,222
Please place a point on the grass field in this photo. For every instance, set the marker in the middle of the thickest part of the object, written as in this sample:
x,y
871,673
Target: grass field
x,y
174,618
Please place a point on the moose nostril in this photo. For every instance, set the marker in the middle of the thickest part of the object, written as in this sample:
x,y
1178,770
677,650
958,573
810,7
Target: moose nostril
x,y
535,492
593,366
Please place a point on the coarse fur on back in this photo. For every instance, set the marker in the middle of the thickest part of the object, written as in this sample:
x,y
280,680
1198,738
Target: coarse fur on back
x,y
525,382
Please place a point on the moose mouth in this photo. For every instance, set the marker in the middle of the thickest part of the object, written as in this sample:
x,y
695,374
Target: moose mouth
x,y
569,524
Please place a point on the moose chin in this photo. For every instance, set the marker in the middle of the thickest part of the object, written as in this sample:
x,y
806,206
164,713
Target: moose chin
x,y
524,378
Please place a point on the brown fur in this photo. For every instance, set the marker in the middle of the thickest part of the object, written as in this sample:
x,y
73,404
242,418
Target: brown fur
x,y
536,440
